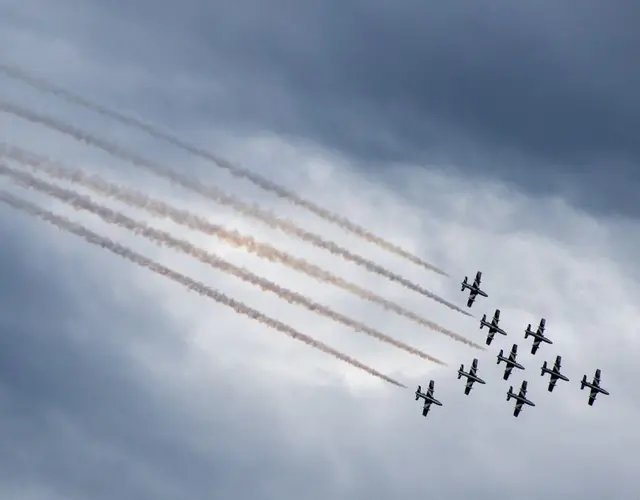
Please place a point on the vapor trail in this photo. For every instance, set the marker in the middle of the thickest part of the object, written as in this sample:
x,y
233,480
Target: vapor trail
x,y
221,197
235,170
139,200
162,238
193,285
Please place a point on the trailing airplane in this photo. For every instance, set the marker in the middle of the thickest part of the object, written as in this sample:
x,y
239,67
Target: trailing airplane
x,y
493,326
510,361
474,289
520,398
538,336
471,376
428,398
554,372
594,386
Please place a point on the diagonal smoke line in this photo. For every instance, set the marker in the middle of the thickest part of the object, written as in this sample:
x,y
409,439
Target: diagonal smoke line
x,y
139,200
189,283
162,238
235,170
221,197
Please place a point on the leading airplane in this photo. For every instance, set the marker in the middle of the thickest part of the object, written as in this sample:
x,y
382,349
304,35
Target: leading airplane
x,y
471,376
538,336
510,361
493,326
554,372
594,386
474,289
521,398
428,398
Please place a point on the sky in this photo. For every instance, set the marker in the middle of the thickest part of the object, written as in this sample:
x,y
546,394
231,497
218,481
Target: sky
x,y
483,135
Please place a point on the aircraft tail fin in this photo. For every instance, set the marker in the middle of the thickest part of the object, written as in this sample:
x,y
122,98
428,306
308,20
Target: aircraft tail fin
x,y
528,331
510,393
464,284
460,371
501,355
544,368
418,391
583,382
484,318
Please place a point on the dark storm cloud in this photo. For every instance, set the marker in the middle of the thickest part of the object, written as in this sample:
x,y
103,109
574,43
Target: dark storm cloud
x,y
539,93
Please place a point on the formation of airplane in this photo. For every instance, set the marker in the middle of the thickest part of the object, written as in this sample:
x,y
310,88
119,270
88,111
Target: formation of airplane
x,y
474,289
428,398
554,372
493,326
594,386
471,376
510,361
521,398
538,336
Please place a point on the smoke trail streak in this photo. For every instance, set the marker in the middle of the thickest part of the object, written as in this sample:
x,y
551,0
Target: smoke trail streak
x,y
139,200
189,283
162,238
219,196
235,170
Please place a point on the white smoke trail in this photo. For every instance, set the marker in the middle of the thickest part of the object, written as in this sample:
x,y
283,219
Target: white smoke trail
x,y
189,283
219,196
235,170
139,200
163,238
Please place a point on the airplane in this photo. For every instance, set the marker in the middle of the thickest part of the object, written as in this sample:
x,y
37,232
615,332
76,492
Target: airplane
x,y
554,372
471,376
538,336
493,325
474,289
510,361
520,398
428,398
594,386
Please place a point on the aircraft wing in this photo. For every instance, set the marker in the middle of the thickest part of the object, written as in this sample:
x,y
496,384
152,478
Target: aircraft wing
x,y
592,396
552,382
496,317
472,297
474,367
426,408
557,364
596,378
512,354
536,344
468,387
517,409
523,389
476,282
541,326
507,371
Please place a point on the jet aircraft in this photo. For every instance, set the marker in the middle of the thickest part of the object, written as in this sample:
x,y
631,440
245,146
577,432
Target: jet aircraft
x,y
594,386
428,398
493,326
471,376
510,361
521,398
554,372
474,289
538,336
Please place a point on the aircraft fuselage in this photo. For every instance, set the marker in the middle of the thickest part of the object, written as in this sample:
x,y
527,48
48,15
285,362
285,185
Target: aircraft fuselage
x,y
511,363
596,388
471,377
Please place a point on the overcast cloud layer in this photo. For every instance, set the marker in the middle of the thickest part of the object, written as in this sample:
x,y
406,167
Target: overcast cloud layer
x,y
115,383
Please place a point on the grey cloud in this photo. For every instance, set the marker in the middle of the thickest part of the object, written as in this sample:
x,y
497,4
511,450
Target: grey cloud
x,y
542,95
79,419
